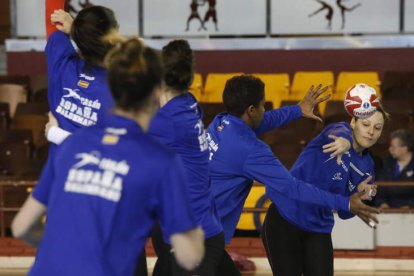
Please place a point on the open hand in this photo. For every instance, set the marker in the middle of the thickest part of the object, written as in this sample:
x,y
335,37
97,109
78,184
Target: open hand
x,y
338,147
311,99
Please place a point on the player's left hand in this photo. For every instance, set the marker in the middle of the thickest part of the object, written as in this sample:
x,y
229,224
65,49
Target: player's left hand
x,y
312,99
338,147
369,190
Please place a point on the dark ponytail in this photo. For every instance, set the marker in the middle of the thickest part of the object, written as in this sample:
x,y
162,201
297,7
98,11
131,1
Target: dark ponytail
x,y
134,71
89,28
179,65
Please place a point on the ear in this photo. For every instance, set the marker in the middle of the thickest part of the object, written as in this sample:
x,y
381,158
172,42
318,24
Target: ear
x,y
250,110
352,123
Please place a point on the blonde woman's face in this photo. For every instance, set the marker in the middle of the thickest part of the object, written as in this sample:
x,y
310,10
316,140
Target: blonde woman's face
x,y
367,131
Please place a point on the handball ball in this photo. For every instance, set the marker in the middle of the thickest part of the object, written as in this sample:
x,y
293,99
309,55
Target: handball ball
x,y
361,101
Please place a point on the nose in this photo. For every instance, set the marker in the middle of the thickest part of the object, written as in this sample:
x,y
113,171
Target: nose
x,y
371,131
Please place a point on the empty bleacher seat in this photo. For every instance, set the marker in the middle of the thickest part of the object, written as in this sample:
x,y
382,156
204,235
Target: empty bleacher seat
x,y
196,87
4,116
346,80
14,159
399,106
17,79
303,80
23,136
214,87
32,108
40,96
36,123
335,112
398,85
276,87
12,94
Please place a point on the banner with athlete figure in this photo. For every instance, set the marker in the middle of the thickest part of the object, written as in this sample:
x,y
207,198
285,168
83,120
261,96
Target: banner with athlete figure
x,y
204,17
334,16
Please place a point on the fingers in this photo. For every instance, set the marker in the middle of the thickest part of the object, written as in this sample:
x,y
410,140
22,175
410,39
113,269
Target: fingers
x,y
368,221
317,118
324,98
334,137
338,158
367,180
368,216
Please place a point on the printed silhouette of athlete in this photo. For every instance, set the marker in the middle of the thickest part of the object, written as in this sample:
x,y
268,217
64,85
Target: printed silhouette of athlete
x,y
329,15
71,9
345,9
211,13
194,14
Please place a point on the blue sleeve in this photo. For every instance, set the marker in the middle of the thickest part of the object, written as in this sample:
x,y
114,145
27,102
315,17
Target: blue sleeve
x,y
264,167
58,49
43,187
338,129
162,129
278,117
175,214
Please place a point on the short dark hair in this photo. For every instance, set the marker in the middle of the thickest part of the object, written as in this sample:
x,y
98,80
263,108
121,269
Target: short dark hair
x,y
179,64
89,28
405,136
133,73
241,92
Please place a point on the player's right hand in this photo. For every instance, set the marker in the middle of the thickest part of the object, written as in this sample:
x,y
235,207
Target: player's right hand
x,y
365,212
62,20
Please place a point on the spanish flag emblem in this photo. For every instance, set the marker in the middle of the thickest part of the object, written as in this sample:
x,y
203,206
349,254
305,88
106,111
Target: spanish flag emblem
x,y
83,84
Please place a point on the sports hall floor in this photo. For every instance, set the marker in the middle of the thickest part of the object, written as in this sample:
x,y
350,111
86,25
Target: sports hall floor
x,y
20,272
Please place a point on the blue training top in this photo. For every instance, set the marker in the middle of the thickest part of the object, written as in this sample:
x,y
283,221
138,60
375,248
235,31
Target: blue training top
x,y
77,95
106,186
316,167
178,125
237,157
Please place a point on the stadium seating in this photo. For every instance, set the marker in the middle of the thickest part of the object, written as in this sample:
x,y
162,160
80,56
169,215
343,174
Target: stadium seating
x,y
32,108
13,94
213,89
276,87
35,123
345,80
40,96
303,80
196,87
398,85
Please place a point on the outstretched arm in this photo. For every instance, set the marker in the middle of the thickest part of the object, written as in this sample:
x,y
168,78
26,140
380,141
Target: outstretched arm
x,y
27,224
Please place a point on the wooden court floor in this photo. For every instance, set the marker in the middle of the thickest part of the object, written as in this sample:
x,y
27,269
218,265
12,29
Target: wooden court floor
x,y
21,272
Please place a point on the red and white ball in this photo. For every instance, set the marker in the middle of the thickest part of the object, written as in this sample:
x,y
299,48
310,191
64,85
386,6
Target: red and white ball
x,y
361,101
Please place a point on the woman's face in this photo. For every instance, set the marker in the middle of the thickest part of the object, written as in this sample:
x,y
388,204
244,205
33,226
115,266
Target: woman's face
x,y
397,149
367,131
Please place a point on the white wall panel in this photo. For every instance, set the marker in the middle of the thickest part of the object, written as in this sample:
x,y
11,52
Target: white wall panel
x,y
234,17
295,16
31,15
